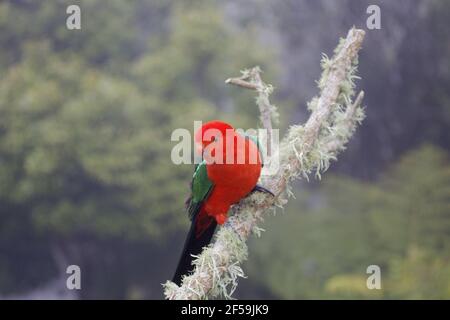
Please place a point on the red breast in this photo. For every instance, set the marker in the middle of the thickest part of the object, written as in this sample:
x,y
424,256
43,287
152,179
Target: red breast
x,y
233,181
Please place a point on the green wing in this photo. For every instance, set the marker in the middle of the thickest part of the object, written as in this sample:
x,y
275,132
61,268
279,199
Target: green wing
x,y
201,188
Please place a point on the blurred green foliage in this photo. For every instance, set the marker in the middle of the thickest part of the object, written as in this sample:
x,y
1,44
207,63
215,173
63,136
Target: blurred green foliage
x,y
336,230
86,119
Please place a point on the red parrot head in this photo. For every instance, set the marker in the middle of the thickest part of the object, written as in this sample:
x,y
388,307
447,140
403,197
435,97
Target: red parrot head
x,y
210,132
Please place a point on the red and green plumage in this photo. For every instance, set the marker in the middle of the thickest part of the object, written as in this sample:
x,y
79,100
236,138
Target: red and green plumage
x,y
216,185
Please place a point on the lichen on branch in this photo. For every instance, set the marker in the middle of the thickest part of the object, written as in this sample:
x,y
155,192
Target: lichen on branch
x,y
306,149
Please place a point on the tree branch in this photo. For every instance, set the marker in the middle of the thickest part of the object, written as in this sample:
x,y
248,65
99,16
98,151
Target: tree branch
x,y
305,149
352,116
251,79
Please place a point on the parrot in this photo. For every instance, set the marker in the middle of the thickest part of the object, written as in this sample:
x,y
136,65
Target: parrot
x,y
217,185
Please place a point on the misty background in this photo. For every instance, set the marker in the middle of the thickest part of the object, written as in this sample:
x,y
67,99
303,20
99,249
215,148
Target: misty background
x,y
85,123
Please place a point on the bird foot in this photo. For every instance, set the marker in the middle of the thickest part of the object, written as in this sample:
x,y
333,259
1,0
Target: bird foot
x,y
262,189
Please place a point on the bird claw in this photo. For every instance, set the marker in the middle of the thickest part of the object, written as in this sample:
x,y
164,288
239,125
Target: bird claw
x,y
262,189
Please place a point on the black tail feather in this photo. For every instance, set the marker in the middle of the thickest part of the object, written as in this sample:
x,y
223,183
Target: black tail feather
x,y
193,246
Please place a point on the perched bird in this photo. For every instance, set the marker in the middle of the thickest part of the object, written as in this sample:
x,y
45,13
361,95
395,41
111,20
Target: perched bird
x,y
229,171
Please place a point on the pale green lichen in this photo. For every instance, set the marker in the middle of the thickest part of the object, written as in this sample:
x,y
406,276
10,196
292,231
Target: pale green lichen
x,y
224,265
336,127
